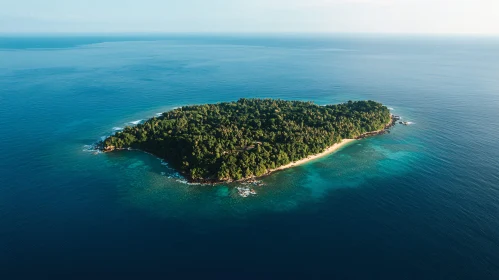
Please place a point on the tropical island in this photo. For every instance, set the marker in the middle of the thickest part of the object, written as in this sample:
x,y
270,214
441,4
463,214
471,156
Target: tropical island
x,y
249,138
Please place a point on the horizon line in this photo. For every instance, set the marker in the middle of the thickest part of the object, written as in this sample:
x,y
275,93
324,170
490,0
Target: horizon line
x,y
245,33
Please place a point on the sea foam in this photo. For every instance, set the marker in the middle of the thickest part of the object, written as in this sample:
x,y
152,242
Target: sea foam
x,y
184,181
91,149
135,122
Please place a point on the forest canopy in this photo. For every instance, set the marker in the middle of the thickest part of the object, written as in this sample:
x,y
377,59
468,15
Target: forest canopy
x,y
237,140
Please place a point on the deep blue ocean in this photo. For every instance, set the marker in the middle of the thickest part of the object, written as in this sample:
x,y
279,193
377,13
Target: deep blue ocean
x,y
419,203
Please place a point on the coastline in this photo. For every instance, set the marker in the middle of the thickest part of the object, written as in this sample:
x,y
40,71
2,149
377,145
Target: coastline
x,y
326,152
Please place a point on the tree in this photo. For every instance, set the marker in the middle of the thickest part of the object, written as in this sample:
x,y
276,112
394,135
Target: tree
x,y
234,140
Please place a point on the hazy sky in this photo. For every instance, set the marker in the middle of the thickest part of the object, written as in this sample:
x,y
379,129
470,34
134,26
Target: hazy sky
x,y
378,16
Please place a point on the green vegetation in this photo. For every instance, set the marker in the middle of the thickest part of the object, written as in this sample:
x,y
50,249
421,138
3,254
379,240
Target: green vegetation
x,y
236,140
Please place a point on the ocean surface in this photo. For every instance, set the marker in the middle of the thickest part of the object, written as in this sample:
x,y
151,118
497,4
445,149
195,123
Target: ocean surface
x,y
419,203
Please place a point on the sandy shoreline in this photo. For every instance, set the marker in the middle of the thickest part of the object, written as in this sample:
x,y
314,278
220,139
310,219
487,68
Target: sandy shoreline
x,y
331,149
328,151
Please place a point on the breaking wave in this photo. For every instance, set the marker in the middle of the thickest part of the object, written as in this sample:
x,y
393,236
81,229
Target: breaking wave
x,y
135,122
184,181
91,149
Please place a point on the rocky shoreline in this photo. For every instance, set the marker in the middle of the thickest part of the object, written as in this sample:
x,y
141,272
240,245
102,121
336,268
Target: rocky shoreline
x,y
385,130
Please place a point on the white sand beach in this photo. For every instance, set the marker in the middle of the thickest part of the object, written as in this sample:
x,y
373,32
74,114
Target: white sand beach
x,y
328,151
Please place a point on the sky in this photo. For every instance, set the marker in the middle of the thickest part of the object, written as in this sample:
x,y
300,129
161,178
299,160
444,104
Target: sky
x,y
251,16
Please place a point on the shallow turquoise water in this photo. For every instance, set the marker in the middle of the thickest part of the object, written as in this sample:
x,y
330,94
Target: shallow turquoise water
x,y
419,203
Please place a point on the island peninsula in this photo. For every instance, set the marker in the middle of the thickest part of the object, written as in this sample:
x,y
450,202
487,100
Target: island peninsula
x,y
249,138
